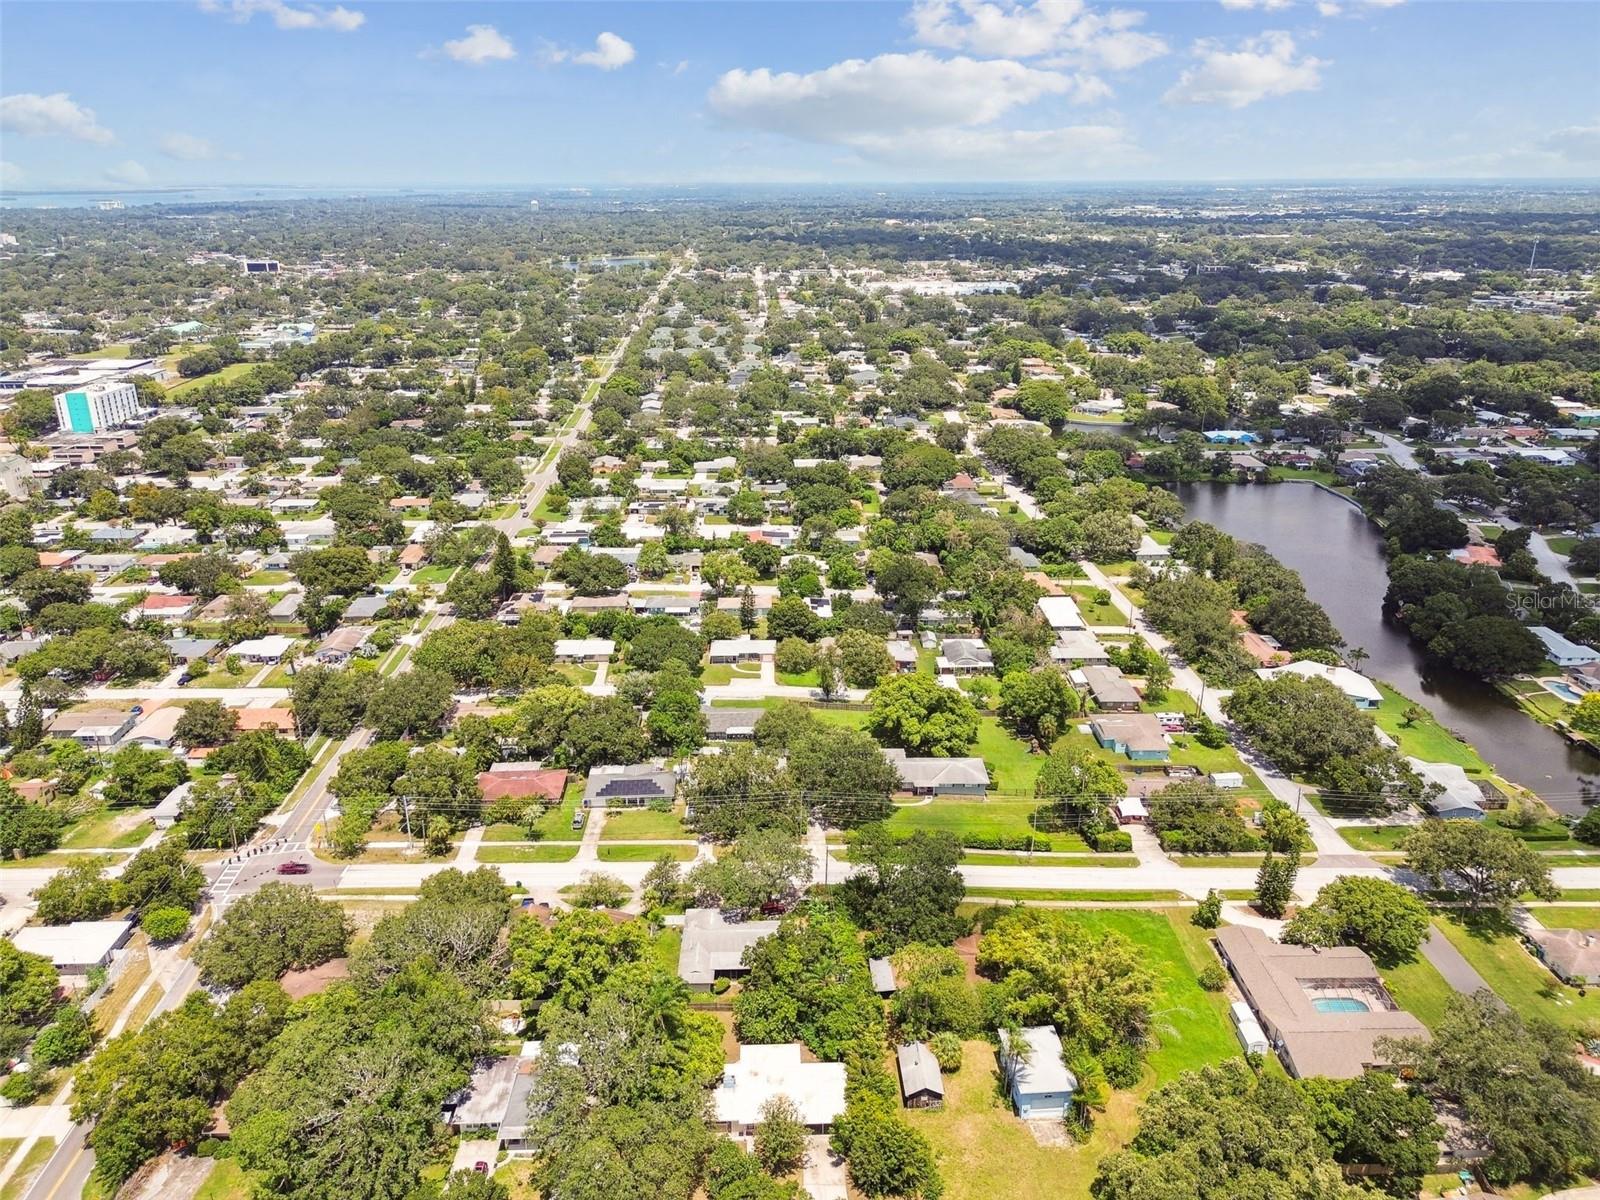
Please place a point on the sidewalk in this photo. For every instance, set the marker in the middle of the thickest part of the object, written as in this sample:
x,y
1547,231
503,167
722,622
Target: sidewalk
x,y
1447,960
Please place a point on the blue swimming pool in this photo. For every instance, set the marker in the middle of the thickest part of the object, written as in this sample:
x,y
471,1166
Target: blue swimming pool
x,y
1570,694
1339,1004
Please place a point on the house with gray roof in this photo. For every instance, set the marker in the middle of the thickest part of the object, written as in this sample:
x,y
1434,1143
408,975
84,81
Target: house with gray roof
x,y
940,776
921,1084
1037,1077
631,786
1323,1010
732,724
713,946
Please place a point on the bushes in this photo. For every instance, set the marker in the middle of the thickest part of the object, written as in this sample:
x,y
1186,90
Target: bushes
x,y
1209,914
979,841
1112,841
946,1049
1214,978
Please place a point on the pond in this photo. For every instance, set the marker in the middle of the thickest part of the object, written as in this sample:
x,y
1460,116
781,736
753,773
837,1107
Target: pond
x,y
1340,556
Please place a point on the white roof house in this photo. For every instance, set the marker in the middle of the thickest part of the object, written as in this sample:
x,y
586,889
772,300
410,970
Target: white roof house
x,y
735,649
264,649
583,649
76,947
764,1072
711,946
1061,612
1040,1083
1561,650
1357,687
1459,798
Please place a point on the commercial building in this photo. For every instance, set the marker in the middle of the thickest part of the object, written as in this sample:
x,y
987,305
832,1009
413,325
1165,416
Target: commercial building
x,y
75,949
97,406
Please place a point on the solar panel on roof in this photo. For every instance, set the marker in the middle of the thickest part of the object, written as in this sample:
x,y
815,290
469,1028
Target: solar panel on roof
x,y
631,787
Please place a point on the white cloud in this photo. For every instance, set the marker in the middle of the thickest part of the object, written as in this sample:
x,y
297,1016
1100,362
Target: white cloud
x,y
1265,5
1329,8
890,94
287,16
482,44
1069,31
55,115
128,172
1008,153
609,53
1576,143
186,147
1262,66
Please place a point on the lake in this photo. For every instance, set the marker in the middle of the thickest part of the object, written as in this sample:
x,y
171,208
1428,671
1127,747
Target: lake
x,y
1340,556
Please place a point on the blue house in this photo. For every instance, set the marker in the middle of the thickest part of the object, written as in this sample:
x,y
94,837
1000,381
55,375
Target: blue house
x,y
1230,437
1138,735
1041,1086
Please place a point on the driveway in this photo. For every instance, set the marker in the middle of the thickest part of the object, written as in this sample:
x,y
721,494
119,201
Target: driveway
x,y
1447,960
824,1175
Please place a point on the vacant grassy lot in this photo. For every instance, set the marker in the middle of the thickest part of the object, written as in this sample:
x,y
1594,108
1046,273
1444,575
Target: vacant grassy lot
x,y
231,371
1515,975
553,853
644,853
1096,612
114,828
639,824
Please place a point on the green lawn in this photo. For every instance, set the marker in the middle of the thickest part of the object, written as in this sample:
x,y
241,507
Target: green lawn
x,y
1425,738
227,1181
1094,612
99,830
231,371
1419,989
805,679
268,578
645,853
556,823
1070,895
1567,916
554,853
433,575
580,674
30,1166
1515,975
642,824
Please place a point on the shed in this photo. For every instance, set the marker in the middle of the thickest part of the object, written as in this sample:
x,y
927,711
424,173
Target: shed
x,y
882,972
921,1084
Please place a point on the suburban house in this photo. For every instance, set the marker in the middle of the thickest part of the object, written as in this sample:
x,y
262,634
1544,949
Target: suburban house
x,y
1061,613
882,972
764,1072
742,649
1109,690
1041,1086
964,656
270,649
628,787
1079,647
732,724
921,1084
155,729
166,814
97,728
1138,735
713,948
940,776
77,948
1457,797
337,648
584,649
1322,1010
484,1102
1151,553
1561,650
1357,688
522,781
902,653
1572,955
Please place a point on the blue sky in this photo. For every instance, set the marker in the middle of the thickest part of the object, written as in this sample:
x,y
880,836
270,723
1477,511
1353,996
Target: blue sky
x,y
390,94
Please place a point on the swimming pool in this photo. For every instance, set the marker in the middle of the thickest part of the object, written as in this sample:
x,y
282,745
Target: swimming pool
x,y
1565,691
1339,1004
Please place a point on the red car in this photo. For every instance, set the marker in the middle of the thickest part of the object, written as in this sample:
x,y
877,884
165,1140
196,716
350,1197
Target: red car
x,y
294,868
481,1167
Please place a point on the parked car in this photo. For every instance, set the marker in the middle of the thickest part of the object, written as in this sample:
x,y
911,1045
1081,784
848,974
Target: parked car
x,y
294,868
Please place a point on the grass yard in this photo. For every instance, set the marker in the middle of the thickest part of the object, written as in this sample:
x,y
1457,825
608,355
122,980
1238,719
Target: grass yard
x,y
1425,738
1229,860
556,823
527,854
1515,975
227,1181
1094,611
1567,916
1419,989
980,1140
636,852
805,679
268,578
643,824
224,678
231,371
990,858
1069,895
433,575
969,818
112,828
579,674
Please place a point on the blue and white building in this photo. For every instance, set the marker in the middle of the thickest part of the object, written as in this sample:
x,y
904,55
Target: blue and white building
x,y
96,407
